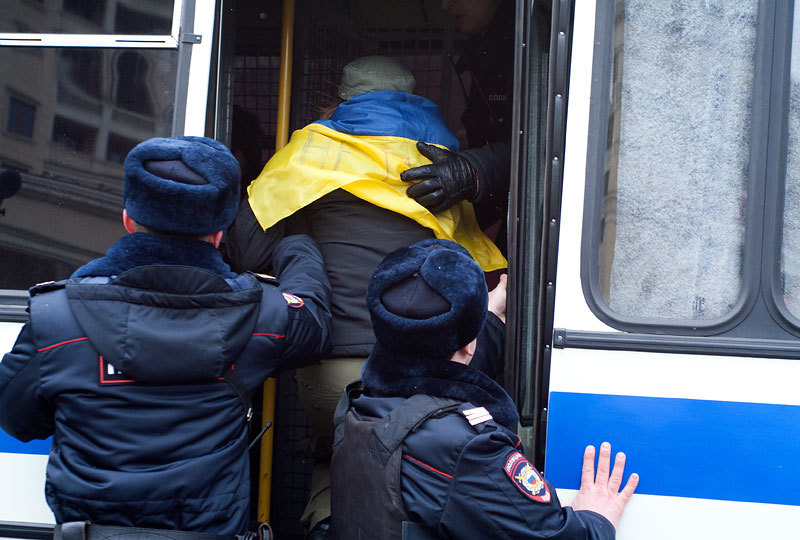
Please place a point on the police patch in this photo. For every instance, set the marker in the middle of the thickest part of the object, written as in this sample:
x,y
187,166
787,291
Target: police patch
x,y
111,375
523,475
292,300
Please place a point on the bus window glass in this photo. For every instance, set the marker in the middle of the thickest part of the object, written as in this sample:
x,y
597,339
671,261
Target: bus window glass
x,y
87,17
790,254
69,117
677,158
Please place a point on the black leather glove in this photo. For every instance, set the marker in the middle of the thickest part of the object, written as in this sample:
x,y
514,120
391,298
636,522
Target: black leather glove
x,y
450,179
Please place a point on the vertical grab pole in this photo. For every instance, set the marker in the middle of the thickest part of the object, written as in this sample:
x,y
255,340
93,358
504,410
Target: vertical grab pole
x,y
281,138
265,463
285,77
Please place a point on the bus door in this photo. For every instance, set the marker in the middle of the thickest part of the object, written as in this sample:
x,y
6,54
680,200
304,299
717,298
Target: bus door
x,y
82,83
670,276
327,35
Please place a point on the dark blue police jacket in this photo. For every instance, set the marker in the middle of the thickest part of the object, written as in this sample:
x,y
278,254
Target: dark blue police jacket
x,y
464,475
128,374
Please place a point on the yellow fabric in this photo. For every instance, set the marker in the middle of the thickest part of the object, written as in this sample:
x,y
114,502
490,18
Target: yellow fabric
x,y
318,160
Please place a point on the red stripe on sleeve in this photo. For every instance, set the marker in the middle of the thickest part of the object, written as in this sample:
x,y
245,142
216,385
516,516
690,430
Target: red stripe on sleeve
x,y
62,343
418,462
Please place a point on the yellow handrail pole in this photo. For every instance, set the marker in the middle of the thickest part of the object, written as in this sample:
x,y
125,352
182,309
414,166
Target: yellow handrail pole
x,y
285,76
281,138
265,463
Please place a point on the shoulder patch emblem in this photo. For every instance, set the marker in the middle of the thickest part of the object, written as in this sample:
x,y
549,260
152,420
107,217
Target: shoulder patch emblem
x,y
265,278
292,300
525,476
476,416
47,286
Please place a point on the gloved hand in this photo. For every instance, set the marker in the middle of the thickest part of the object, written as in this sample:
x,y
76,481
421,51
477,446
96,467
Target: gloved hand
x,y
450,179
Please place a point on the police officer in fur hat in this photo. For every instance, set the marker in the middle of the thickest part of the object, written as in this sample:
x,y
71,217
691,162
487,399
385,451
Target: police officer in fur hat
x,y
426,441
129,364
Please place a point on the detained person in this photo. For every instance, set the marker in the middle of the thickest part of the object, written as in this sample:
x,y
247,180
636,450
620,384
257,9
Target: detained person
x,y
338,179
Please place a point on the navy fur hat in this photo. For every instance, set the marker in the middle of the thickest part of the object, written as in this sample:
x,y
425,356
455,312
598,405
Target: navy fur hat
x,y
429,299
182,185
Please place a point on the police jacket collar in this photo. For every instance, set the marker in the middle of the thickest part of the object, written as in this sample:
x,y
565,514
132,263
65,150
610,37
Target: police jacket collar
x,y
143,249
388,373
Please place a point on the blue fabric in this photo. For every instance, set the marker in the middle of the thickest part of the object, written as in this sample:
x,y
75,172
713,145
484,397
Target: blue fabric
x,y
126,375
393,114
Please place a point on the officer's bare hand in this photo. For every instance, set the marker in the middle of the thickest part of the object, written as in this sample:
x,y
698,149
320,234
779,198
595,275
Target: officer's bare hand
x,y
601,493
497,298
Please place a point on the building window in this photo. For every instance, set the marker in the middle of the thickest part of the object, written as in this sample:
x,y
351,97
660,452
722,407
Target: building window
x,y
91,10
131,21
132,88
73,135
20,117
118,147
84,67
150,17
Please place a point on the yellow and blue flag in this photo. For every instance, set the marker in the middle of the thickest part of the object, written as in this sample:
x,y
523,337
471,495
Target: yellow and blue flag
x,y
362,149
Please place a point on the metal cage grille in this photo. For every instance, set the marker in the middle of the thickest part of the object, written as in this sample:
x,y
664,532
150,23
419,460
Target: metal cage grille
x,y
329,34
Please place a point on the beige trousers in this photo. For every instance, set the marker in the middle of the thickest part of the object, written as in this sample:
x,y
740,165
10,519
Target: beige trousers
x,y
320,387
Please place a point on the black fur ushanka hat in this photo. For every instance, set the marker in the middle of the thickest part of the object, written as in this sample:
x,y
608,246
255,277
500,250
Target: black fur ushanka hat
x,y
429,299
182,185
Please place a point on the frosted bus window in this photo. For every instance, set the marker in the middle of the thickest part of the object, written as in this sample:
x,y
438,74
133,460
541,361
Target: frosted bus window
x,y
790,254
677,158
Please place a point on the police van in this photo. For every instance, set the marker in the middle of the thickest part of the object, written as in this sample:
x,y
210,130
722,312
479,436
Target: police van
x,y
654,219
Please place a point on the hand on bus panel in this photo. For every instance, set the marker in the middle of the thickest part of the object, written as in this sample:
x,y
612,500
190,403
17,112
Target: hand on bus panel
x,y
497,298
450,179
601,493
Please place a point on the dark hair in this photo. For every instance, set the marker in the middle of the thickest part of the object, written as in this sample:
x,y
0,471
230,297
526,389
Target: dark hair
x,y
326,111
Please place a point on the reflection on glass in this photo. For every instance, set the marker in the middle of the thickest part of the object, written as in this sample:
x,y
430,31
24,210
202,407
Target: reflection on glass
x,y
20,117
87,17
790,253
70,117
677,158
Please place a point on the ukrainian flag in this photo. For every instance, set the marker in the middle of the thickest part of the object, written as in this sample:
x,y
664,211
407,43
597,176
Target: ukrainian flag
x,y
362,149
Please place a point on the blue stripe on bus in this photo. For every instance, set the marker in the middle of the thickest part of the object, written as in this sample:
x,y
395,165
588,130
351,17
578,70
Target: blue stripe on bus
x,y
681,447
10,445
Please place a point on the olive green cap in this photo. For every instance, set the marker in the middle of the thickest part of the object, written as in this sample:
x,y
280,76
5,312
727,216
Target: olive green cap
x,y
374,73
